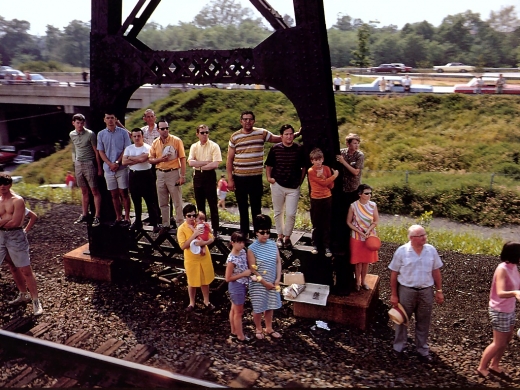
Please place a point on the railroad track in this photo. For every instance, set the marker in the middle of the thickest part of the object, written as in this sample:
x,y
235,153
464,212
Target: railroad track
x,y
33,362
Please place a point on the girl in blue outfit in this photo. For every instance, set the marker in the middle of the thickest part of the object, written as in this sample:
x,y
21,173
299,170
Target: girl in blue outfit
x,y
237,276
265,263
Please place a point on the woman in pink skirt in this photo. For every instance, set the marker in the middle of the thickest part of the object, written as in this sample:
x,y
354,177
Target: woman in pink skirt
x,y
362,218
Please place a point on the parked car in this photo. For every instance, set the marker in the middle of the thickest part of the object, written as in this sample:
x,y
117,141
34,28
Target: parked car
x,y
13,74
490,85
397,85
39,79
7,154
3,68
404,68
29,155
454,67
385,68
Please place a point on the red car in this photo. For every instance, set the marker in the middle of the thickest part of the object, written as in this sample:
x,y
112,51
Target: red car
x,y
404,68
6,156
385,68
489,87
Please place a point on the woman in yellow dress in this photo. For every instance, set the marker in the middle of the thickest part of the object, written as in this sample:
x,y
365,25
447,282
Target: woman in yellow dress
x,y
199,268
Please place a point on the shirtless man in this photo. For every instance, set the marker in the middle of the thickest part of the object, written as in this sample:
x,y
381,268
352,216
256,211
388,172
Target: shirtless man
x,y
13,240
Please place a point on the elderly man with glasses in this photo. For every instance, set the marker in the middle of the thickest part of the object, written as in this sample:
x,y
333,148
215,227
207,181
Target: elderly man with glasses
x,y
167,153
415,269
204,158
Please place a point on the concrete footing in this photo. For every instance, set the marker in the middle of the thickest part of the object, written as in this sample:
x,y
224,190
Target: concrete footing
x,y
81,265
355,309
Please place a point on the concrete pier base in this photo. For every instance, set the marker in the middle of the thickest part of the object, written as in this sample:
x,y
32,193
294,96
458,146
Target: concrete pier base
x,y
81,265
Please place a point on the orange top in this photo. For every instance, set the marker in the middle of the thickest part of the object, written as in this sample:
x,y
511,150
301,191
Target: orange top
x,y
320,187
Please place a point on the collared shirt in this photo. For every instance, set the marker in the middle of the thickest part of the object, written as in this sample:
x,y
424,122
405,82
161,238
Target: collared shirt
x,y
83,144
249,151
158,147
415,270
113,143
356,161
134,151
150,136
320,187
210,151
287,163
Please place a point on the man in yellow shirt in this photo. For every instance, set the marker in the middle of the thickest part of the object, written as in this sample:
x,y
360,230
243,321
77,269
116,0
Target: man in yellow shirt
x,y
167,153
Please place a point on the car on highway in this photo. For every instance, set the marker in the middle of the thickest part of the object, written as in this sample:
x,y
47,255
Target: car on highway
x,y
396,85
29,155
37,78
385,68
454,67
3,68
13,74
490,85
404,68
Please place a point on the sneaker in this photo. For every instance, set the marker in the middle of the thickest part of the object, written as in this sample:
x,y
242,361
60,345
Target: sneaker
x,y
314,250
23,297
279,242
82,218
210,307
328,253
287,244
37,307
95,222
246,340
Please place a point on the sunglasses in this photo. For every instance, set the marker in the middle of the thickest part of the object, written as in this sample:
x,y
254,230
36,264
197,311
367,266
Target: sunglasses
x,y
263,232
164,128
203,132
191,215
367,193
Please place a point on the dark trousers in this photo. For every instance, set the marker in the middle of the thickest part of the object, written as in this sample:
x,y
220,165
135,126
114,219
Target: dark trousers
x,y
248,191
141,187
320,218
205,188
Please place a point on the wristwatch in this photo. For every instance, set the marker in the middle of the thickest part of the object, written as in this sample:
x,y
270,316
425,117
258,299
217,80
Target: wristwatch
x,y
116,162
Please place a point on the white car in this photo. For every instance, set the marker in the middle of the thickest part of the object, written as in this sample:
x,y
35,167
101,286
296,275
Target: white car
x,y
396,85
454,67
37,78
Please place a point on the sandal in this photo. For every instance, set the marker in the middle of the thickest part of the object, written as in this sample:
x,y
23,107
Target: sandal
x,y
274,334
190,308
259,335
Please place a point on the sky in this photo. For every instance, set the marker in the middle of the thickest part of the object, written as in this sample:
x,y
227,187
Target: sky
x,y
59,13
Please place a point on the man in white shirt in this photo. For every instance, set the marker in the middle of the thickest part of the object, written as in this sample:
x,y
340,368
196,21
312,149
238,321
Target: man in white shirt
x,y
337,82
141,179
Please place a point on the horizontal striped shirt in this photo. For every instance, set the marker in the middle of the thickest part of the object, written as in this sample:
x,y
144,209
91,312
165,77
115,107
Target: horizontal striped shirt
x,y
249,151
287,163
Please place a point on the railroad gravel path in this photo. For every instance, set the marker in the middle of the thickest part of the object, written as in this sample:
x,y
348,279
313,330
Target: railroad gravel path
x,y
138,310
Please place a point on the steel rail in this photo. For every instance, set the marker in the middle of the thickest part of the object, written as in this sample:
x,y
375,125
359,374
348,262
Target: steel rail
x,y
137,374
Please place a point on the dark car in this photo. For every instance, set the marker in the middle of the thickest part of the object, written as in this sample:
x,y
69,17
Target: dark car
x,y
385,68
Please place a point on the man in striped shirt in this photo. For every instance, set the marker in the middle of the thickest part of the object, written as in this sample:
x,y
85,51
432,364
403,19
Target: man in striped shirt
x,y
245,165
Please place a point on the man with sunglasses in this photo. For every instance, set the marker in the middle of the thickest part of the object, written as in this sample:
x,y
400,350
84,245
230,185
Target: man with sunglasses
x,y
415,269
285,172
204,158
167,153
245,166
13,240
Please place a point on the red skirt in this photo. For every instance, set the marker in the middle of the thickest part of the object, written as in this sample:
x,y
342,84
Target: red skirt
x,y
360,254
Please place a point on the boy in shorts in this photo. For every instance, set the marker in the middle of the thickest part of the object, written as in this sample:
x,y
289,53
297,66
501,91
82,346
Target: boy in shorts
x,y
13,240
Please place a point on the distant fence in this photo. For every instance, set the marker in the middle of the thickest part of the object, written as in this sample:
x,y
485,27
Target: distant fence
x,y
442,179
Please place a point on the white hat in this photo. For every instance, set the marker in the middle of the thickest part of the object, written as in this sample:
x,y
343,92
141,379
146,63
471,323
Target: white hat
x,y
195,249
398,315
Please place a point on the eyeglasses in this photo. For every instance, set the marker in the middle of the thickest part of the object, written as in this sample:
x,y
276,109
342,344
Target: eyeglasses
x,y
367,193
248,119
191,215
421,235
263,232
203,132
164,128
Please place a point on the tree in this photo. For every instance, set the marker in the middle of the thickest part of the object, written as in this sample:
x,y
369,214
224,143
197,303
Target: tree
x,y
386,49
15,40
76,44
343,23
504,20
414,49
361,56
222,13
53,43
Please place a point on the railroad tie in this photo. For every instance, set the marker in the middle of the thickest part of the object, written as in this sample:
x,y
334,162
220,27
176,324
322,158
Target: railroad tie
x,y
246,378
140,353
196,366
65,382
77,338
25,377
19,325
109,347
39,329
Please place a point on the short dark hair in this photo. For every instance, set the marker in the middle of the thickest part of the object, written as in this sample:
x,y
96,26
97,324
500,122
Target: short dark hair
x,y
262,222
237,236
363,187
285,127
78,117
110,111
247,113
188,209
137,129
511,252
5,179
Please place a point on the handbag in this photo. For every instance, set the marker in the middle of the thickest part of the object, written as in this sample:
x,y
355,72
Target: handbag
x,y
293,278
293,291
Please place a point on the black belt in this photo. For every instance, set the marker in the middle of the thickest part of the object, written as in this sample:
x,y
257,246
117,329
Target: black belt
x,y
10,229
141,170
419,288
167,170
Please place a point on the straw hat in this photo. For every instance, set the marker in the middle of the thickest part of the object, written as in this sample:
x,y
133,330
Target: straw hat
x,y
398,315
373,243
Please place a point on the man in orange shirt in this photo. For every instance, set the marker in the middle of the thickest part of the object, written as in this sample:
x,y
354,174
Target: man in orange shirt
x,y
167,153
